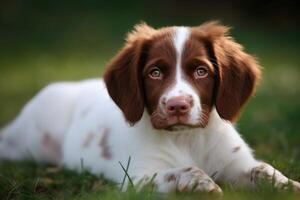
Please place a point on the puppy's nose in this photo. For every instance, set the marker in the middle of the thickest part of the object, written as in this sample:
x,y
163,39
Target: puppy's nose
x,y
178,105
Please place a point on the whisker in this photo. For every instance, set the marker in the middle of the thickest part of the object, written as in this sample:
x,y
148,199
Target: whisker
x,y
158,116
204,116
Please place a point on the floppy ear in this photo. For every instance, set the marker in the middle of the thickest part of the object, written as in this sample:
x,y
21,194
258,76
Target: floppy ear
x,y
238,72
123,76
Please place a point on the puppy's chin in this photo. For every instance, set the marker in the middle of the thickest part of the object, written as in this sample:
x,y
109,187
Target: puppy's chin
x,y
160,121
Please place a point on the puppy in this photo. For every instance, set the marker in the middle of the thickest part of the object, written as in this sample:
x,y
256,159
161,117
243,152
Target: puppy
x,y
168,101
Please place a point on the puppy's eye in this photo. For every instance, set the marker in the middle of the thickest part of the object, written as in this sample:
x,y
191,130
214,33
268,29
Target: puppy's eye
x,y
155,73
201,72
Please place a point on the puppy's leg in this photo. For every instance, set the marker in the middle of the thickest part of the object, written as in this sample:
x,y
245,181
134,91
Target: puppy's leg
x,y
265,171
240,168
185,179
246,171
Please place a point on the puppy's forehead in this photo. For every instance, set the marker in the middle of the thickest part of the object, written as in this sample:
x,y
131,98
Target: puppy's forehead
x,y
176,43
162,44
168,42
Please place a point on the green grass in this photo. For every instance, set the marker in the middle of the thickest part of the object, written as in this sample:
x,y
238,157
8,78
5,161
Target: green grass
x,y
27,180
269,123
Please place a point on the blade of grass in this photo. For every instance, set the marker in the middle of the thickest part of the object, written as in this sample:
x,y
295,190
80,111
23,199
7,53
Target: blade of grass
x,y
81,165
126,173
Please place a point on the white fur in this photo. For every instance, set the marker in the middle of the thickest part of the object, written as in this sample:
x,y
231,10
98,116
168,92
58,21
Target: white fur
x,y
69,112
181,87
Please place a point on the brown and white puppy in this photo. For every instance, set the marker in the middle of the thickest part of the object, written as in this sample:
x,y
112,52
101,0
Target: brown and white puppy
x,y
180,89
179,75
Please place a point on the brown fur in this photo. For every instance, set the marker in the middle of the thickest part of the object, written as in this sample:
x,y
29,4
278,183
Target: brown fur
x,y
187,169
51,148
162,54
123,75
237,71
236,149
105,149
170,178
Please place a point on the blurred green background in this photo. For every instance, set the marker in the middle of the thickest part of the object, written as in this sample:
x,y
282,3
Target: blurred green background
x,y
47,41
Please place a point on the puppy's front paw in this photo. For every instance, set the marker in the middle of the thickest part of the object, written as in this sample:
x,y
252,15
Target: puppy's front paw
x,y
193,179
267,172
296,186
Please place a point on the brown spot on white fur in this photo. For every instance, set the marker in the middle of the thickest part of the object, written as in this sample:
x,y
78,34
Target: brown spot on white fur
x,y
187,169
236,149
105,149
170,178
51,148
85,111
88,140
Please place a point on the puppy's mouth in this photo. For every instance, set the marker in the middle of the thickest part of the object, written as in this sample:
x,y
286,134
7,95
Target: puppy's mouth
x,y
172,123
180,127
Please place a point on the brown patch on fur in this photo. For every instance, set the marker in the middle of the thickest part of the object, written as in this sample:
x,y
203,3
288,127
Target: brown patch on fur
x,y
105,149
187,169
235,149
256,172
170,178
88,140
85,111
237,71
51,148
162,54
124,74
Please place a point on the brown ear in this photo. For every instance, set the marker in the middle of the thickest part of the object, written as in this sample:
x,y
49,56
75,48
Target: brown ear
x,y
123,77
238,72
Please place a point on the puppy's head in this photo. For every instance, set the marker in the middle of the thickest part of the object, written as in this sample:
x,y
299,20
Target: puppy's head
x,y
179,74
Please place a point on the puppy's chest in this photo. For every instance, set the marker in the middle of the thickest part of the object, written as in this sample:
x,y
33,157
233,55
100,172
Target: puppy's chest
x,y
199,154
183,151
